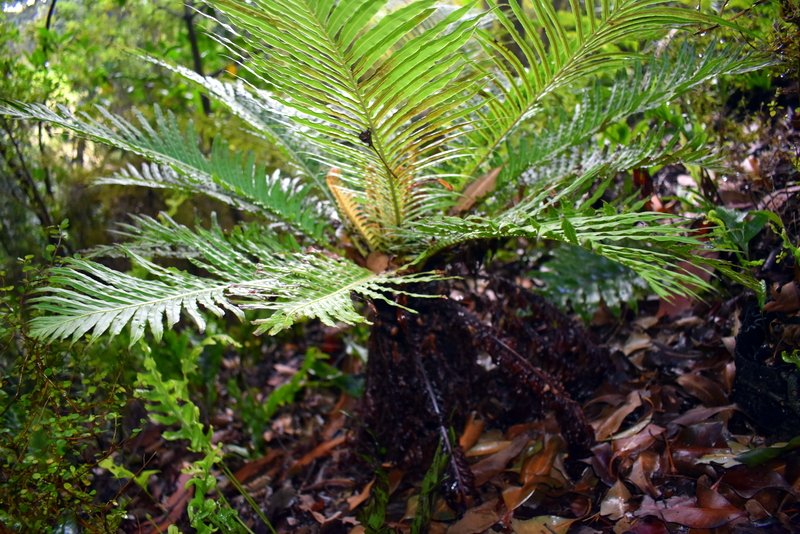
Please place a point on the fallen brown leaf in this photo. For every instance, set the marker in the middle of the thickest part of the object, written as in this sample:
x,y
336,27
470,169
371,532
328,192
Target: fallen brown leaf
x,y
544,524
356,500
476,190
784,299
706,390
646,464
616,502
477,519
472,432
319,451
611,423
496,463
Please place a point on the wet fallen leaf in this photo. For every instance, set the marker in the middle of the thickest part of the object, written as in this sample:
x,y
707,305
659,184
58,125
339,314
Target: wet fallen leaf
x,y
545,524
784,299
472,432
642,440
476,190
611,423
356,500
616,502
706,390
377,262
477,519
646,464
535,473
496,463
700,414
323,449
636,341
708,510
747,482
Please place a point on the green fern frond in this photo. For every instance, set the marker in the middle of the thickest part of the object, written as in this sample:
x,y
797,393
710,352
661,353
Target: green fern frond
x,y
267,117
85,296
553,60
243,273
232,256
642,88
320,286
577,279
369,99
582,164
650,244
182,164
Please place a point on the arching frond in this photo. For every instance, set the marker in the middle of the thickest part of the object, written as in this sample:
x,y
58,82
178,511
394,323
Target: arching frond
x,y
373,99
561,180
550,59
267,117
650,244
321,287
642,87
87,297
222,174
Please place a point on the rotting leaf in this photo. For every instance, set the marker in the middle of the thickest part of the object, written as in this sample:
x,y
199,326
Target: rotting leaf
x,y
646,464
497,462
319,451
542,463
700,414
686,511
706,390
471,434
636,341
784,299
356,500
746,482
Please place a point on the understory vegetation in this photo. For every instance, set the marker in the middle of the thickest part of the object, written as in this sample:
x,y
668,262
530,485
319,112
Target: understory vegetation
x,y
400,266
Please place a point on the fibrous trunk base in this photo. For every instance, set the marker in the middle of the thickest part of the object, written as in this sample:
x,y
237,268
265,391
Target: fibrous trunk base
x,y
428,371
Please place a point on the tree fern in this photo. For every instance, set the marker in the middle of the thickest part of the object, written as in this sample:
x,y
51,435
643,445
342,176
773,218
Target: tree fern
x,y
379,106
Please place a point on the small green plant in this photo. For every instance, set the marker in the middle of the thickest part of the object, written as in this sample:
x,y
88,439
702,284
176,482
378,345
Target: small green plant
x,y
169,403
792,357
373,515
60,411
257,413
431,483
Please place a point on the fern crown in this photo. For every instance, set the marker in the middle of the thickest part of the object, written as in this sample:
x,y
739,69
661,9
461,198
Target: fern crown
x,y
413,126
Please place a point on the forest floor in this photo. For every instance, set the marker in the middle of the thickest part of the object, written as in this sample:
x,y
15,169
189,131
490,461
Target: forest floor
x,y
697,431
